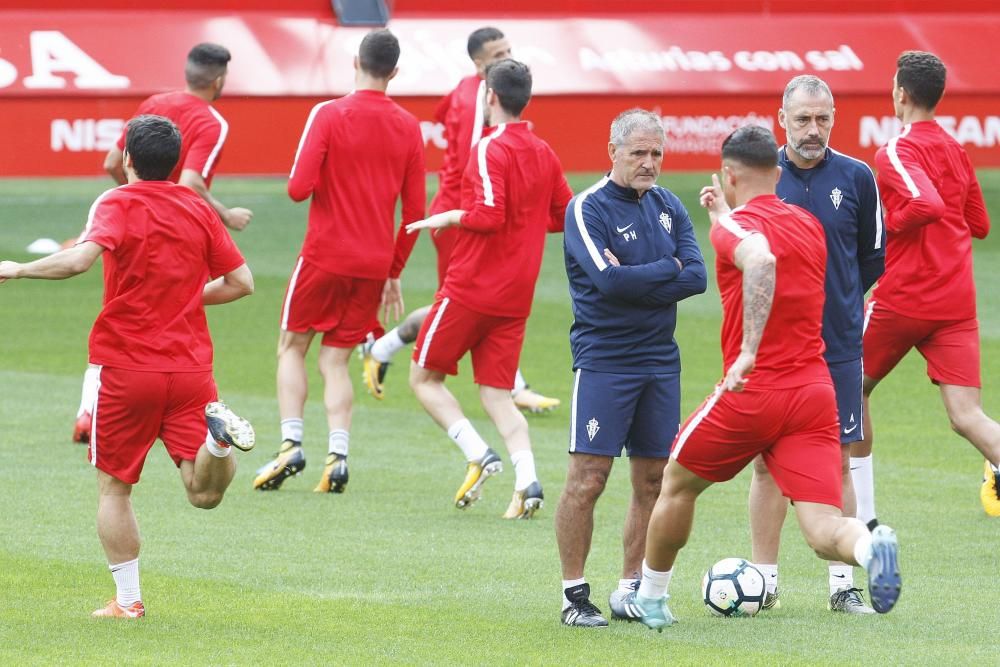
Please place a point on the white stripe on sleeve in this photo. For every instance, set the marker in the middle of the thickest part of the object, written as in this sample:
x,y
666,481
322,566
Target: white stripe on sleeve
x,y
483,171
595,255
733,227
305,133
898,164
223,133
477,122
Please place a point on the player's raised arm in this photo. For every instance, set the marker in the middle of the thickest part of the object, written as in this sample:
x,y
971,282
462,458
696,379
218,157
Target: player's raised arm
x,y
63,264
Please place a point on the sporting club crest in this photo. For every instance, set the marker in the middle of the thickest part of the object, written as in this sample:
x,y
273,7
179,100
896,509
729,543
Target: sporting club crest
x,y
592,428
836,196
666,221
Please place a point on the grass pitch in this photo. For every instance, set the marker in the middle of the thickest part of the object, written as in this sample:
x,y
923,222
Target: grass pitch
x,y
390,572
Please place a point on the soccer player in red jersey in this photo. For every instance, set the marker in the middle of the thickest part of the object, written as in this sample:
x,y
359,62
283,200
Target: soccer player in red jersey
x,y
166,257
203,133
777,398
461,113
927,297
358,155
513,192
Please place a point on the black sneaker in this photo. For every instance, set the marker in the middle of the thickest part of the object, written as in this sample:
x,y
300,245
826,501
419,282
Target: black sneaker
x,y
581,612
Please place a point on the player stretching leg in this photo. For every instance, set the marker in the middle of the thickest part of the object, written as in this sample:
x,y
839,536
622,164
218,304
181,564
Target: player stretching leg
x,y
776,399
519,193
927,297
461,113
204,131
154,355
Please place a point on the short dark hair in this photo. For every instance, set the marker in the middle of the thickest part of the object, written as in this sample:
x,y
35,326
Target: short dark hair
x,y
379,53
921,75
752,146
480,37
206,62
511,81
154,143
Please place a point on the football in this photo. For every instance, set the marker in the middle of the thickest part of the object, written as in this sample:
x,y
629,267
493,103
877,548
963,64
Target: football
x,y
733,587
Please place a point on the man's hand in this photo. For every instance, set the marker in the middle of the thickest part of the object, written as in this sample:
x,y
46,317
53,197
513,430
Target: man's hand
x,y
714,200
8,270
612,260
237,218
736,376
436,221
392,300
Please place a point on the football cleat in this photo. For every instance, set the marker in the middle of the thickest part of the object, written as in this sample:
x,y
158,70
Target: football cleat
x,y
654,614
81,429
476,473
525,503
623,605
771,601
531,401
849,601
228,428
334,478
581,612
884,580
289,461
373,371
989,493
113,610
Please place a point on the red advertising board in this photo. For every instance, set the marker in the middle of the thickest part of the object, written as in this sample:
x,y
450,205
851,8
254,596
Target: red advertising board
x,y
65,89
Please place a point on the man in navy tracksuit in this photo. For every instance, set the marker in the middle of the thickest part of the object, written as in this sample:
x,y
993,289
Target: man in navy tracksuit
x,y
631,255
841,192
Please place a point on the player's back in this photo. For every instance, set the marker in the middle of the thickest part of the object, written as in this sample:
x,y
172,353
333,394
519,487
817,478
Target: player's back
x,y
791,349
933,208
163,243
357,153
198,122
495,272
462,116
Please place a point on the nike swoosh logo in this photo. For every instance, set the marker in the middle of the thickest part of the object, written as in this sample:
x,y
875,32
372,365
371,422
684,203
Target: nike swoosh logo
x,y
622,229
840,576
853,468
848,431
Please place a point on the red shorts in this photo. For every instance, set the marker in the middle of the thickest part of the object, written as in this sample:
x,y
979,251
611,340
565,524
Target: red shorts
x,y
343,308
444,241
134,408
450,330
951,347
797,431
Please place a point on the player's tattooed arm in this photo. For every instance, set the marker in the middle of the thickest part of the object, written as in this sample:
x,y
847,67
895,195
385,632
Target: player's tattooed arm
x,y
753,257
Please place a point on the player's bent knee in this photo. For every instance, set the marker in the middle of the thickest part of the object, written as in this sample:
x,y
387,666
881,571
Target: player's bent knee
x,y
205,500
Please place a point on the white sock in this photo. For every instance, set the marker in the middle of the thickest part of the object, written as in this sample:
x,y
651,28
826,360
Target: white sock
x,y
339,440
654,583
468,440
862,475
386,347
863,550
291,429
570,583
770,573
215,449
519,383
126,576
626,585
88,395
524,469
841,576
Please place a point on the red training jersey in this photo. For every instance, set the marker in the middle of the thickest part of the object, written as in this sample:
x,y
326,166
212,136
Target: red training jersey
x,y
461,113
933,208
357,156
203,131
162,244
791,349
513,192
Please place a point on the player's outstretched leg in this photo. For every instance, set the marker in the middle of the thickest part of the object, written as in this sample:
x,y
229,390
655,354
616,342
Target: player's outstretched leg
x,y
228,428
529,400
376,356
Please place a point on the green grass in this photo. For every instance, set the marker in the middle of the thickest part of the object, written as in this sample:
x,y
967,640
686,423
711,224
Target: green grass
x,y
390,572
